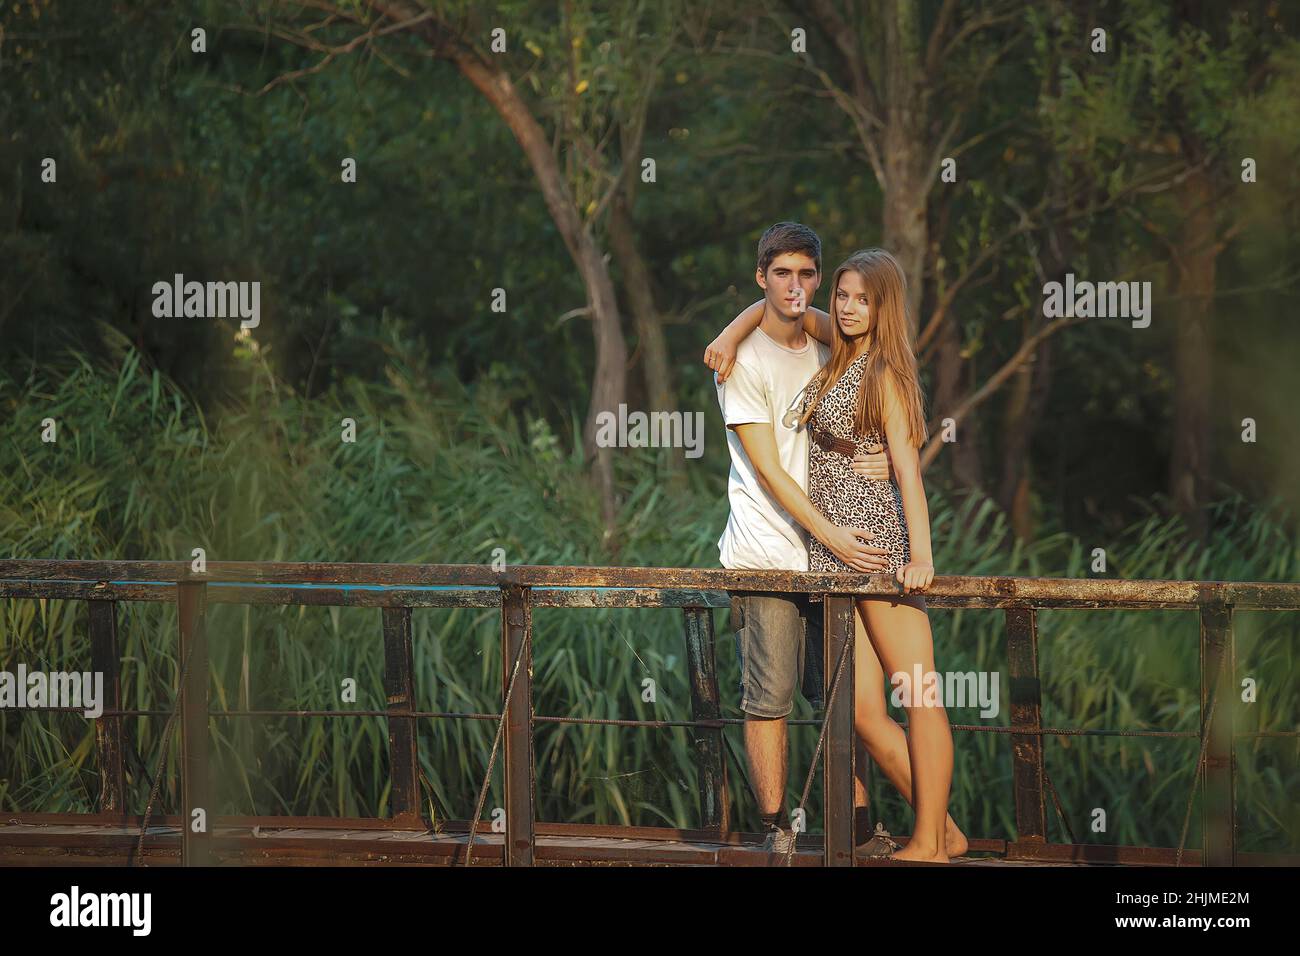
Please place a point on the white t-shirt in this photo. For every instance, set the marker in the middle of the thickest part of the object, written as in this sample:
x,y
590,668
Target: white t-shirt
x,y
766,381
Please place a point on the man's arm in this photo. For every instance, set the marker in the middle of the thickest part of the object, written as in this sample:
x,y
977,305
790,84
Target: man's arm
x,y
819,325
720,355
760,445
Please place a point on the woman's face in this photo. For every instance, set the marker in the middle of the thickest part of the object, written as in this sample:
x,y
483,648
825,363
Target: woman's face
x,y
852,311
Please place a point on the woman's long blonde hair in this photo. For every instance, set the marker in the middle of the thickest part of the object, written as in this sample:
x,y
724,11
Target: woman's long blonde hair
x,y
891,348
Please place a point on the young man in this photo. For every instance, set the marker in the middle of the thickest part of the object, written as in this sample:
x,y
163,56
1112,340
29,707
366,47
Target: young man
x,y
771,515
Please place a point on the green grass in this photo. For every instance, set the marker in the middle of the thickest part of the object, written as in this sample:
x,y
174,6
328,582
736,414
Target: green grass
x,y
444,473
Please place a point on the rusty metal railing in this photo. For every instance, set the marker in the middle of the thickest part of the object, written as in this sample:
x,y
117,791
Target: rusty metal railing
x,y
398,589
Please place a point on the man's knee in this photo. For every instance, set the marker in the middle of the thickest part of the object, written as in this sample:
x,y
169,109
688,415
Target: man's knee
x,y
768,702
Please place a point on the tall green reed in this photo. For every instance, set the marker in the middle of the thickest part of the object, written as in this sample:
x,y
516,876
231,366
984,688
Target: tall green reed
x,y
445,473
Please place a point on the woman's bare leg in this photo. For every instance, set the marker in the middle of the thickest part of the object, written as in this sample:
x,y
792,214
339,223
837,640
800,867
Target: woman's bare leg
x,y
882,737
899,631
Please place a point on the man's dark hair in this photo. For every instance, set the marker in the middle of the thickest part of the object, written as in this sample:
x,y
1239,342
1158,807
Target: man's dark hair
x,y
786,237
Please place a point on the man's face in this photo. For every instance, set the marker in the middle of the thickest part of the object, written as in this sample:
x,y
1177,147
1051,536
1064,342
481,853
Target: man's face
x,y
789,284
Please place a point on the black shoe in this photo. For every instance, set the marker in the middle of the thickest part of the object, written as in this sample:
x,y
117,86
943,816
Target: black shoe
x,y
879,844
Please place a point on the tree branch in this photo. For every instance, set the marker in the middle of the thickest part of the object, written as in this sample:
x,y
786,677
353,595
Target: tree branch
x,y
1026,224
843,36
934,47
994,382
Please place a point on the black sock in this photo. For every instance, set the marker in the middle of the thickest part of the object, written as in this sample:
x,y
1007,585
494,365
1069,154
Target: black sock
x,y
862,824
773,820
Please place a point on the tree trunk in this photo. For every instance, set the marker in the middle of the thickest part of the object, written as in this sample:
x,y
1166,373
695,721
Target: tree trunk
x,y
895,74
949,391
1193,378
906,192
906,187
1033,380
640,294
1024,407
609,381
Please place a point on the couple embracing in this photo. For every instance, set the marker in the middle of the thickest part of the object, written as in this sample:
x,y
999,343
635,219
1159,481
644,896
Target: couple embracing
x,y
809,400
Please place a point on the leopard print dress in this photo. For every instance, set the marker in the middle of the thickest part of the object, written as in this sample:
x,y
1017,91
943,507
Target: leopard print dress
x,y
843,497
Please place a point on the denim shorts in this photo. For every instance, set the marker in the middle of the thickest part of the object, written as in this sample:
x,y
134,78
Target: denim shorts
x,y
778,645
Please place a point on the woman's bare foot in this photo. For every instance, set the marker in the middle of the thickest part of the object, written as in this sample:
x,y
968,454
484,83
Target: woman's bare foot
x,y
954,841
915,853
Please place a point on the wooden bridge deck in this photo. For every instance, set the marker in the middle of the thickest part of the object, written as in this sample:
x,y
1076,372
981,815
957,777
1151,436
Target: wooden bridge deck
x,y
101,844
98,844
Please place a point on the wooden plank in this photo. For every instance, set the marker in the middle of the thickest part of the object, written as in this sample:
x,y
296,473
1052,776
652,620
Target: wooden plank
x,y
1026,712
489,597
105,660
399,689
480,597
990,603
196,792
356,596
1218,776
86,591
1028,591
485,597
710,757
630,597
516,640
114,842
837,761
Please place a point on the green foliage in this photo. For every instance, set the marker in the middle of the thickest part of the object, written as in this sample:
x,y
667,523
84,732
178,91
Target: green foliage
x,y
376,299
444,473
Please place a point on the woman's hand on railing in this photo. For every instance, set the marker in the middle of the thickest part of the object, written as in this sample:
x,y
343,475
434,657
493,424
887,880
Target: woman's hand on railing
x,y
916,576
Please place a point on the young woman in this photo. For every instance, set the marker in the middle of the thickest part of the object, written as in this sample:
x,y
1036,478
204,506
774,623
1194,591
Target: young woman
x,y
867,390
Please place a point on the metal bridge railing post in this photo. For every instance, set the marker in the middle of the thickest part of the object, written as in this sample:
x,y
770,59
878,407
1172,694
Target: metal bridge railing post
x,y
1026,711
710,767
105,660
197,811
837,792
516,640
399,689
1218,776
